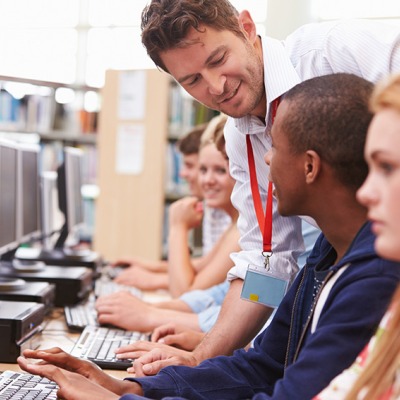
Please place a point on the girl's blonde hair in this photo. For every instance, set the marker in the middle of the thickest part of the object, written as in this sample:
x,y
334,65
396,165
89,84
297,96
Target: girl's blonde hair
x,y
214,133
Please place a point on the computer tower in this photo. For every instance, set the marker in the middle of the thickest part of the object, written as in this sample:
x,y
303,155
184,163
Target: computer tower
x,y
19,328
13,289
73,284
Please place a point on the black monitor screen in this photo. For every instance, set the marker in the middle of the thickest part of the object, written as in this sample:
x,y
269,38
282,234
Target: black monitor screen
x,y
30,193
69,184
8,197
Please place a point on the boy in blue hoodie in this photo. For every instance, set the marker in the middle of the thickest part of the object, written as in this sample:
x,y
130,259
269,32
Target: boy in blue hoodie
x,y
336,301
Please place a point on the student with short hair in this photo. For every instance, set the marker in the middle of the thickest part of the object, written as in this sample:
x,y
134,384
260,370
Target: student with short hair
x,y
375,375
337,299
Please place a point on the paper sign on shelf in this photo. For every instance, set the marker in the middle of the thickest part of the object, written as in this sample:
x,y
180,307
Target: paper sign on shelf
x,y
132,95
130,149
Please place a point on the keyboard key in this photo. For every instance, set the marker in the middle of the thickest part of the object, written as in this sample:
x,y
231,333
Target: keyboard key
x,y
17,385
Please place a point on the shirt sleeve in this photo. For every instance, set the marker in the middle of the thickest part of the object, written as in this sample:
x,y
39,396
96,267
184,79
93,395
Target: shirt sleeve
x,y
199,300
349,46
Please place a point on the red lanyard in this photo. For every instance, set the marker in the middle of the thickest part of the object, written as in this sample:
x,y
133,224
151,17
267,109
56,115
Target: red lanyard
x,y
264,220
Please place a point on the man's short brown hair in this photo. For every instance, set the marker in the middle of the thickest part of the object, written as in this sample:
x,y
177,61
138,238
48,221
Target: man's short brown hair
x,y
165,23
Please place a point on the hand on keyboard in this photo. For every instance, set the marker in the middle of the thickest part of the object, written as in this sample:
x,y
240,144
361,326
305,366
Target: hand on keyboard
x,y
76,378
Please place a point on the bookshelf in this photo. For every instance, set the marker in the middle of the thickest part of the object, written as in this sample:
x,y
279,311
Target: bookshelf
x,y
131,149
132,207
50,109
184,113
54,115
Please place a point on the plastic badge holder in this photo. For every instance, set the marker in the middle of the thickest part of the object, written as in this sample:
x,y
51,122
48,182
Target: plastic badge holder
x,y
261,286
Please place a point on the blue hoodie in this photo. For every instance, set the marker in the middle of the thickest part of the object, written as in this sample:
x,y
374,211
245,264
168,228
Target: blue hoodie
x,y
288,362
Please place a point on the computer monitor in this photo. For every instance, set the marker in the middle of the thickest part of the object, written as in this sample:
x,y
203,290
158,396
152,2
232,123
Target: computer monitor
x,y
49,207
69,185
9,235
28,216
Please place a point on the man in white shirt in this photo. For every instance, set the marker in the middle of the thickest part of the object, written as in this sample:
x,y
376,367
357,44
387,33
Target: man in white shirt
x,y
215,54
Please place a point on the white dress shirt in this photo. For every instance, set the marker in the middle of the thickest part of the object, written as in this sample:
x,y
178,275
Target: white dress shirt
x,y
366,48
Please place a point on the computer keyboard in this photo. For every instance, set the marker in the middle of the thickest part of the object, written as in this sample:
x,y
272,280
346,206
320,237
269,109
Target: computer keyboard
x,y
78,316
106,286
97,344
20,385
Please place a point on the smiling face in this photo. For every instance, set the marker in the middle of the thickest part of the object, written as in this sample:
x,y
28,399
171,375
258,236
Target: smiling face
x,y
286,168
381,190
214,178
221,70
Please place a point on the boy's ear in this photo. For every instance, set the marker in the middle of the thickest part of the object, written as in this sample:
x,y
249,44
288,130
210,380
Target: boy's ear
x,y
312,166
247,24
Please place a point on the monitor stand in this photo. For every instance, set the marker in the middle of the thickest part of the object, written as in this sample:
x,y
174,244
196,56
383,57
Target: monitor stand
x,y
10,284
60,256
28,265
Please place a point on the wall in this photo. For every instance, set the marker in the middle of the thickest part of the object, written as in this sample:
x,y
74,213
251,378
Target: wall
x,y
284,16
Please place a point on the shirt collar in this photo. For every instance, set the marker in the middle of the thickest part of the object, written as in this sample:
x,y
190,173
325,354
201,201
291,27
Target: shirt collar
x,y
279,76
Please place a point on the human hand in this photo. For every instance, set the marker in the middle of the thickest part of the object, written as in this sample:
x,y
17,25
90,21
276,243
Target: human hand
x,y
122,263
187,212
135,350
72,386
159,357
142,278
55,361
150,265
177,335
124,310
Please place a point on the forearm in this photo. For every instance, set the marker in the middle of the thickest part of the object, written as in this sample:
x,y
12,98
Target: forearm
x,y
158,266
180,270
155,317
161,280
174,304
228,334
131,390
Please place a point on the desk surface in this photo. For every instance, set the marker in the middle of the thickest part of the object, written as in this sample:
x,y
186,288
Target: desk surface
x,y
56,334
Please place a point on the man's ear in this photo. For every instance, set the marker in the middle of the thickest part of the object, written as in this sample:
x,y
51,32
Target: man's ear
x,y
312,166
248,25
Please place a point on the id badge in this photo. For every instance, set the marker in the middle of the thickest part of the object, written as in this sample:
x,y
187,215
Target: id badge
x,y
261,286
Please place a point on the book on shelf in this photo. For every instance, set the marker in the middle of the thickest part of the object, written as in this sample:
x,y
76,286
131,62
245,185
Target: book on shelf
x,y
185,112
31,113
41,113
